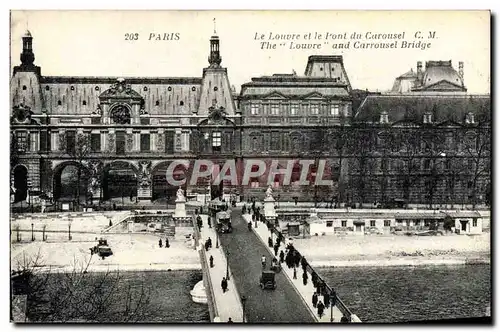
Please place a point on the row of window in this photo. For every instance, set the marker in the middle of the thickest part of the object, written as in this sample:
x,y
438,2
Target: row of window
x,y
387,223
295,109
47,88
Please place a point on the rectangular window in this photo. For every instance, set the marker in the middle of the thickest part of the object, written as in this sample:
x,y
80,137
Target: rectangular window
x,y
254,109
95,142
169,142
474,223
267,108
275,109
335,110
216,140
145,143
120,142
22,140
344,223
387,223
294,109
329,223
314,109
275,141
255,184
372,223
416,223
70,141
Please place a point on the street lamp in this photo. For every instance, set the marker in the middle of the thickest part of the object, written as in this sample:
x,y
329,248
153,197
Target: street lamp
x,y
243,300
333,300
227,266
32,233
216,238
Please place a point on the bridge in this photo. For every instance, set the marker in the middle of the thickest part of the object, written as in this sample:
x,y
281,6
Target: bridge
x,y
237,255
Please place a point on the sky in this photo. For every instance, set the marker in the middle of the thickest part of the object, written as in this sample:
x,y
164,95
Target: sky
x,y
93,43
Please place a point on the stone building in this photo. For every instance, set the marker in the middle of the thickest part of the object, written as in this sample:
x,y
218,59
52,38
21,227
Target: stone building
x,y
425,142
125,132
104,137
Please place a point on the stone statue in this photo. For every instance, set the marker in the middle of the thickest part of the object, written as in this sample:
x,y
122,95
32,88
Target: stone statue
x,y
180,194
269,192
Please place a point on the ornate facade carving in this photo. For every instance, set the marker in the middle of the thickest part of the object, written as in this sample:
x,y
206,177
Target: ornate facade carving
x,y
144,173
129,142
160,142
111,142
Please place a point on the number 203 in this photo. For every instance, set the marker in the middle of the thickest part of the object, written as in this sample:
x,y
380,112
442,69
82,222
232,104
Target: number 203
x,y
131,36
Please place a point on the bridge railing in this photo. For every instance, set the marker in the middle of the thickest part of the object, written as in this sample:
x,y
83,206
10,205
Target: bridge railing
x,y
338,302
207,281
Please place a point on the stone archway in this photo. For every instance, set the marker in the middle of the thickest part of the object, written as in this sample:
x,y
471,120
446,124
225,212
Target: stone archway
x,y
120,180
20,176
161,189
68,185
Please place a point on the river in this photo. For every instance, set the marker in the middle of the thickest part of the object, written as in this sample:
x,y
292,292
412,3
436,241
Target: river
x,y
398,294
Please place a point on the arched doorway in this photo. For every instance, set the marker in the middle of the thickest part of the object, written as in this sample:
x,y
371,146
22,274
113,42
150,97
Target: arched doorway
x,y
68,184
120,181
20,183
161,188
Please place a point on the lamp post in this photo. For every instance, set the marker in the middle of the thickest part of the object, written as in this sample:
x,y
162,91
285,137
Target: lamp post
x,y
69,230
227,266
243,300
216,239
32,233
333,300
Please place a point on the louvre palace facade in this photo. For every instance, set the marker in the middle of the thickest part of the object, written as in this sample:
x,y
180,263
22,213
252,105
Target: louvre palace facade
x,y
426,141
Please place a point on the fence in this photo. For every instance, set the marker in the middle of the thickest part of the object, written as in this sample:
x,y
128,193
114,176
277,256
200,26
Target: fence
x,y
338,302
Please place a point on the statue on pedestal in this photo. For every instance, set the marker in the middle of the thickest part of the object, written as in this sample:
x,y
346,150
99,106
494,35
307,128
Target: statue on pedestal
x,y
180,194
269,192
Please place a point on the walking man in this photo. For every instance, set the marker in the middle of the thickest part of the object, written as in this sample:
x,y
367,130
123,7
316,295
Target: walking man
x,y
209,222
160,243
276,248
321,309
282,256
211,261
315,299
223,284
167,244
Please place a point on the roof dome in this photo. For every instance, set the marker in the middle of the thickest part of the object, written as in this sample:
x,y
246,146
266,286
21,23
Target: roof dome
x,y
436,71
27,34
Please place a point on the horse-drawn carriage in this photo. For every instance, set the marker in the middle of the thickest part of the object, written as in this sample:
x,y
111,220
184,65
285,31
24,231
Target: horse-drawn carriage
x,y
102,249
223,222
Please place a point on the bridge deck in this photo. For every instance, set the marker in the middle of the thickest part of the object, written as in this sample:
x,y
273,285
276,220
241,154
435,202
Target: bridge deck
x,y
244,249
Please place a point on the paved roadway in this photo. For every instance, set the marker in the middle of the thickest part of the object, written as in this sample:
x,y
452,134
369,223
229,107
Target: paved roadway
x,y
244,251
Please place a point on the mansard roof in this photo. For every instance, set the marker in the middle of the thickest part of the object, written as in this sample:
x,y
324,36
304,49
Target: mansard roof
x,y
412,108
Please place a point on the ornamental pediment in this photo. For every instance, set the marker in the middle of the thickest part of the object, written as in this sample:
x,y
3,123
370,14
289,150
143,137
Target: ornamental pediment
x,y
120,90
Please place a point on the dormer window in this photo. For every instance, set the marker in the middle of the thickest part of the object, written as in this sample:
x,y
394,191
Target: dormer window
x,y
157,103
427,117
384,117
59,103
469,118
24,87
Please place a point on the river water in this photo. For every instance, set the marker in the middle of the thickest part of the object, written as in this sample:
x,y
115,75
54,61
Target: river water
x,y
398,294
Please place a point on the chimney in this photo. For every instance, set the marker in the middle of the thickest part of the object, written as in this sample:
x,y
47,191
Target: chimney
x,y
384,117
419,70
461,70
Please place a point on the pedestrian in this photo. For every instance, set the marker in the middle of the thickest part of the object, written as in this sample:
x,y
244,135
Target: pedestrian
x,y
160,243
209,242
304,278
315,299
195,211
244,210
223,284
333,298
276,248
294,273
303,262
344,319
230,320
201,209
282,256
314,279
321,308
211,261
167,243
326,299
209,222
206,246
270,242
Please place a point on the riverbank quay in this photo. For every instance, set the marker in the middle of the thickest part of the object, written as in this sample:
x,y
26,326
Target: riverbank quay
x,y
305,289
227,304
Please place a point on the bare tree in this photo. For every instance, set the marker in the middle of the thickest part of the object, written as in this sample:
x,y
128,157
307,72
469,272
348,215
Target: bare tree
x,y
408,169
79,295
477,148
363,162
79,149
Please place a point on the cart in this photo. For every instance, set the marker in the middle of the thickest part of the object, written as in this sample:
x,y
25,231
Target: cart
x,y
268,280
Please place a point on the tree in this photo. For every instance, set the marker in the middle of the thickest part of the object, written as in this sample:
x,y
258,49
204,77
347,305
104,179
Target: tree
x,y
14,151
477,148
361,145
78,149
79,295
408,140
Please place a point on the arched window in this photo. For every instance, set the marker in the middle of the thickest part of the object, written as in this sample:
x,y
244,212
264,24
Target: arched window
x,y
216,140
